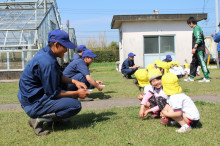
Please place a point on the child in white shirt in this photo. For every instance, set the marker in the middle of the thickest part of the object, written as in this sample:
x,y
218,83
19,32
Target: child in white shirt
x,y
180,107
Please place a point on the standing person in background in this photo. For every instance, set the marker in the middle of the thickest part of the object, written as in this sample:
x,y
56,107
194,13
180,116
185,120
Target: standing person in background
x,y
80,50
40,92
216,38
128,67
198,52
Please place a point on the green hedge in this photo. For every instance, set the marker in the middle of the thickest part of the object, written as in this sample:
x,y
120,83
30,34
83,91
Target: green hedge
x,y
107,56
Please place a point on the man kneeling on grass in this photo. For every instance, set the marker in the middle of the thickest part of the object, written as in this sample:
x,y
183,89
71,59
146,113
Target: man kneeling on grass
x,y
180,107
40,91
79,70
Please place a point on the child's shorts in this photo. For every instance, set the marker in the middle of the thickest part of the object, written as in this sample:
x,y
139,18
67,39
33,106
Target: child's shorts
x,y
157,101
193,123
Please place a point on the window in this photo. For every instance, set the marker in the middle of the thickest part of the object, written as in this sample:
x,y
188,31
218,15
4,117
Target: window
x,y
158,44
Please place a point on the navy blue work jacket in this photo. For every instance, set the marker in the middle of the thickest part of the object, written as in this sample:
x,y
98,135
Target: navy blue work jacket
x,y
127,63
75,67
40,80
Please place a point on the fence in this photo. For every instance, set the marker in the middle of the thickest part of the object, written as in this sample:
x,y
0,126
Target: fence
x,y
15,60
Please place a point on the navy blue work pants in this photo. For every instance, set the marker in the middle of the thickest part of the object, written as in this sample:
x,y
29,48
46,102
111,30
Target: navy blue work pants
x,y
128,71
79,77
63,108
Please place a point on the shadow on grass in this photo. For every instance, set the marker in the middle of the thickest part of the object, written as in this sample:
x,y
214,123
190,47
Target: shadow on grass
x,y
101,95
85,121
199,125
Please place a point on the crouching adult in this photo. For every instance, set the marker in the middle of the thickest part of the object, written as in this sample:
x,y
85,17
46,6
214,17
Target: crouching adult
x,y
128,67
40,91
79,70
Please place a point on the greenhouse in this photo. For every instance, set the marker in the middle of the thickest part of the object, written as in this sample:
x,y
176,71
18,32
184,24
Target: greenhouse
x,y
24,28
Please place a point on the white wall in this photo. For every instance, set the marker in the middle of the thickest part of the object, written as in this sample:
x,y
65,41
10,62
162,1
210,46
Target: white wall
x,y
133,34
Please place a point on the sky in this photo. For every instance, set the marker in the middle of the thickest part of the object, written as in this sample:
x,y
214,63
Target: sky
x,y
91,17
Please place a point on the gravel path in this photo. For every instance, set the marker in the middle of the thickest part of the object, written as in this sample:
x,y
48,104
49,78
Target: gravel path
x,y
119,102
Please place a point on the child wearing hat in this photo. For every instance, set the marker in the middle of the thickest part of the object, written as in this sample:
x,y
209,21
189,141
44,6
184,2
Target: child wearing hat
x,y
180,107
177,70
154,98
150,67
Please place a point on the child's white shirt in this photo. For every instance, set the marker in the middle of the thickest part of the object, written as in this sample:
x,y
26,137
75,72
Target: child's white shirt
x,y
186,71
183,102
177,70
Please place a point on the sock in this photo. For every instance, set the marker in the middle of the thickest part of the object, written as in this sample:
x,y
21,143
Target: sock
x,y
186,126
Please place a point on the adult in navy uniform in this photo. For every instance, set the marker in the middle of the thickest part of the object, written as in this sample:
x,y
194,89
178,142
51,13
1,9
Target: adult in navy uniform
x,y
79,70
40,91
168,58
80,50
128,67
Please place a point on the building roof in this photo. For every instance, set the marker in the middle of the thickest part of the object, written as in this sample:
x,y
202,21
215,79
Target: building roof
x,y
117,20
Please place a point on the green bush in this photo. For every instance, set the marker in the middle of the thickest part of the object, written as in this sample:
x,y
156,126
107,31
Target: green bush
x,y
107,56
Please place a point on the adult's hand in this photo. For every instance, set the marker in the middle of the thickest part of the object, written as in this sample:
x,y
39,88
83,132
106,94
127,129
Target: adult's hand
x,y
79,85
193,51
100,88
82,93
99,82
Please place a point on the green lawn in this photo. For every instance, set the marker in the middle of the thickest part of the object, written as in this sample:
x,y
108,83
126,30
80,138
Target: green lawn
x,y
115,126
118,87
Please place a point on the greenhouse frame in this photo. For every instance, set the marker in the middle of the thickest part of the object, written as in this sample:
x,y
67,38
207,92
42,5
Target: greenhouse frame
x,y
24,29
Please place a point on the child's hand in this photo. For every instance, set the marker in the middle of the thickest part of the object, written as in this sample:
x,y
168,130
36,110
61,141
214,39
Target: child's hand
x,y
146,112
141,113
141,96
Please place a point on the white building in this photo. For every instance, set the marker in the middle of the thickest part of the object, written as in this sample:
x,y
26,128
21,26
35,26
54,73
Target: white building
x,y
152,37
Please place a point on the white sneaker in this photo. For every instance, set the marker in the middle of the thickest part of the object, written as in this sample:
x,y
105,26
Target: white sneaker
x,y
204,80
184,129
189,79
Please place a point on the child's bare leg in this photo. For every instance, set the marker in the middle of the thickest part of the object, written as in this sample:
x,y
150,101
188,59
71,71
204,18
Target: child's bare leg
x,y
179,119
185,118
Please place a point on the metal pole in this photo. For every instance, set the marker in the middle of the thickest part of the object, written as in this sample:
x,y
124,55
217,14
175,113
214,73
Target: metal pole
x,y
68,53
217,15
217,28
45,6
8,61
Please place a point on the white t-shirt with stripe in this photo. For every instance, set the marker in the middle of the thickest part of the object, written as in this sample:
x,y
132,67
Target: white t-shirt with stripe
x,y
183,102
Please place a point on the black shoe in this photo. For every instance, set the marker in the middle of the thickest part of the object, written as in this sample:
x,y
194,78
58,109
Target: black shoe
x,y
125,76
59,122
129,77
37,125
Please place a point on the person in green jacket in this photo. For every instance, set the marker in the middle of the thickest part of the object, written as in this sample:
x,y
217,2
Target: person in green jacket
x,y
198,51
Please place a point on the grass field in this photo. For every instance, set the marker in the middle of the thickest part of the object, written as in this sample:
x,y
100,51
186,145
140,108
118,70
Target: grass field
x,y
118,87
115,126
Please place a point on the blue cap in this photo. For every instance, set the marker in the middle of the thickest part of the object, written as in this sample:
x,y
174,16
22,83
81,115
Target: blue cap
x,y
81,48
169,57
61,37
88,53
131,54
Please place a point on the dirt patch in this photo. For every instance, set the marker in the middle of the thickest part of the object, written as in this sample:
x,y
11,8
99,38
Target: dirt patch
x,y
120,102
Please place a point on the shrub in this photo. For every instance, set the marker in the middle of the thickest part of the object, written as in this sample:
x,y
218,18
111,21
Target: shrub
x,y
107,56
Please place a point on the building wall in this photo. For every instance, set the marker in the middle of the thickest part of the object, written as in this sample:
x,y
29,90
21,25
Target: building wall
x,y
133,38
